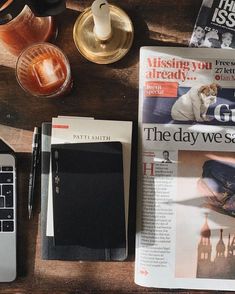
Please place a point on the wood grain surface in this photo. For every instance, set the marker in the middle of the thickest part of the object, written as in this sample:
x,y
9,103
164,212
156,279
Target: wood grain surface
x,y
101,91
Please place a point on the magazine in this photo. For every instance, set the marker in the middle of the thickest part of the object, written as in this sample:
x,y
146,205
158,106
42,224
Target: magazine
x,y
186,175
215,25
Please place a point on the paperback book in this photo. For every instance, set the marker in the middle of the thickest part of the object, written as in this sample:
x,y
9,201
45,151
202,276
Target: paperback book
x,y
85,189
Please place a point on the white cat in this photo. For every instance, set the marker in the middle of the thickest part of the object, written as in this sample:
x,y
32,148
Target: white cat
x,y
193,105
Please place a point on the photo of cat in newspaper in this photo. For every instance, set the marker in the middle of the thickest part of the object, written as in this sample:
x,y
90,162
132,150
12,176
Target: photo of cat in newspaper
x,y
207,103
193,105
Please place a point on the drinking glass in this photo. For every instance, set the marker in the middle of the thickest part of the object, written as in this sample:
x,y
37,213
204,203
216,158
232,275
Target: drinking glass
x,y
25,29
43,70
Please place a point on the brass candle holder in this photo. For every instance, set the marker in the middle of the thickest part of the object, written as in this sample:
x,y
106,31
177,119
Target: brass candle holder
x,y
104,51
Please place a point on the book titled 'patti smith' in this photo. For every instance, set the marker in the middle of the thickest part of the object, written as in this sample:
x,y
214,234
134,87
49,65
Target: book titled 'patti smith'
x,y
88,200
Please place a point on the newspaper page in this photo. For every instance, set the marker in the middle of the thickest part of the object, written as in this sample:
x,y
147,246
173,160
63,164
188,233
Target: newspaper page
x,y
215,25
186,175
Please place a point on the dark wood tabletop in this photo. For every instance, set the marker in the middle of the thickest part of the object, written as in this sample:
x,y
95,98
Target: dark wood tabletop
x,y
100,91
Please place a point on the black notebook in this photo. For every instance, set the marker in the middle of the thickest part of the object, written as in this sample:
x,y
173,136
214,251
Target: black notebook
x,y
88,195
86,227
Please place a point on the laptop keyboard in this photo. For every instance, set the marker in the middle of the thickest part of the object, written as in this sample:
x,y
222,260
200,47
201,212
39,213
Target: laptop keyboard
x,y
8,217
6,199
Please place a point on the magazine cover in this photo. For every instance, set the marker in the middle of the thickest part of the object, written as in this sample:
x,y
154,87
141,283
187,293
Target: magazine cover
x,y
215,25
186,175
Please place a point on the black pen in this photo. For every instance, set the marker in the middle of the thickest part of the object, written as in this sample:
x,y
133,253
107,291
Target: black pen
x,y
34,163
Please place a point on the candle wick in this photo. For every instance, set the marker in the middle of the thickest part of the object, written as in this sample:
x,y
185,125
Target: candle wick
x,y
102,5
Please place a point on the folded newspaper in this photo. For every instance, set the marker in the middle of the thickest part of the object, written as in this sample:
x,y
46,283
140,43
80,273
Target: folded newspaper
x,y
186,175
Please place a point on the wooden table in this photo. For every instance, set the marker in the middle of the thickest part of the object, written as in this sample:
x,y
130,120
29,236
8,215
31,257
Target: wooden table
x,y
102,91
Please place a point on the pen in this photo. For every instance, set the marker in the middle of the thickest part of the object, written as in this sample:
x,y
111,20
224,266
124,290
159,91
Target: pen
x,y
33,169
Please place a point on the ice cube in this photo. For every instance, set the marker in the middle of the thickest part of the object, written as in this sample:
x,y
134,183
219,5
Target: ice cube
x,y
48,72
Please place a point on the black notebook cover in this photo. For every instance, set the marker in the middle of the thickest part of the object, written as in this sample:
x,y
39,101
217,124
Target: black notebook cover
x,y
88,195
72,252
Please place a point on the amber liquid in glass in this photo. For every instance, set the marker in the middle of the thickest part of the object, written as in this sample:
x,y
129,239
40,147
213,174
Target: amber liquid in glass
x,y
46,74
26,29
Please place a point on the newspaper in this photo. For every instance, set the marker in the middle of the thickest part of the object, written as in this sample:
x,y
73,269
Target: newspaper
x,y
215,25
186,175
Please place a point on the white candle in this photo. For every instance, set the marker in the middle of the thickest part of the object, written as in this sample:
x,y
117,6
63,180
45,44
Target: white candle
x,y
101,16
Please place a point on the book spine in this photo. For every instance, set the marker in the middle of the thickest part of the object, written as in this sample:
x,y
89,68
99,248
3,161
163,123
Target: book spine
x,y
45,166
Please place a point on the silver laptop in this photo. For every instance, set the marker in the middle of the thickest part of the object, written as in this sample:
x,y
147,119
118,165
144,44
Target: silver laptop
x,y
7,218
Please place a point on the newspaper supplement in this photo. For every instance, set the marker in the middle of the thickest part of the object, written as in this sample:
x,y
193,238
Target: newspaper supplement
x,y
186,169
215,25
